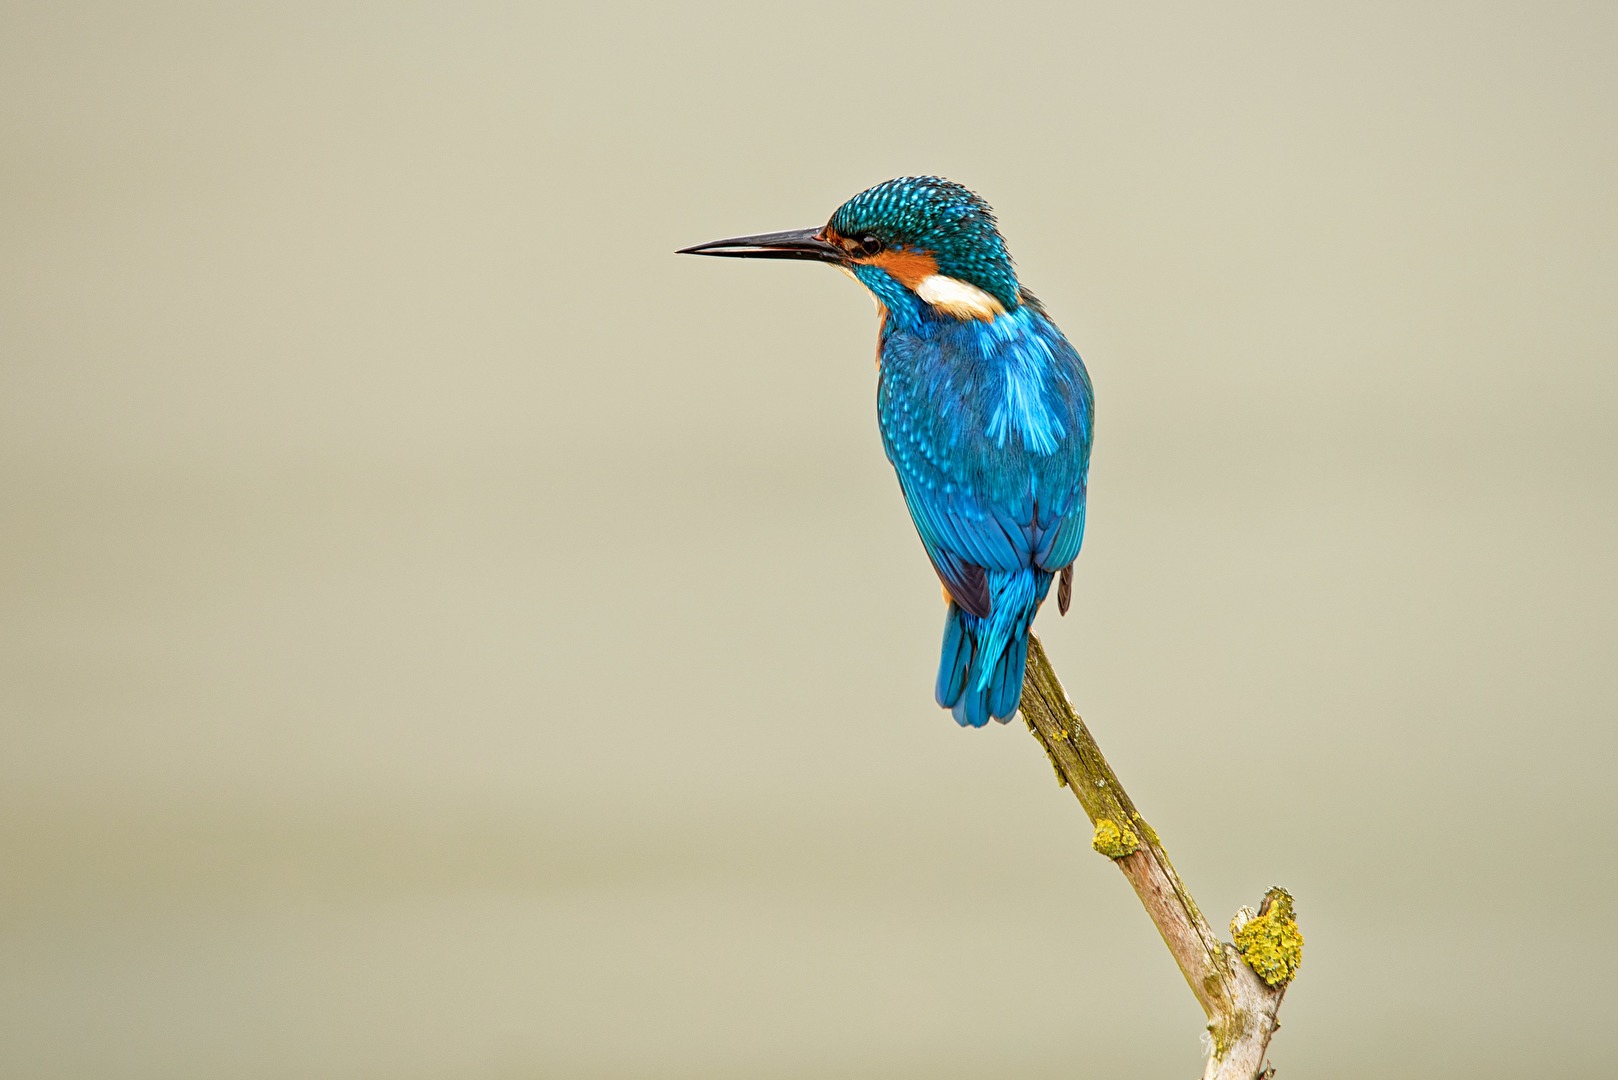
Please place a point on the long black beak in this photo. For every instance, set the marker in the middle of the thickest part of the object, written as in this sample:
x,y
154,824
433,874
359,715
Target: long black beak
x,y
796,244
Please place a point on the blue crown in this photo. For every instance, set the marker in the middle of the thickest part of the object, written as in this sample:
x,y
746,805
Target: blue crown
x,y
929,213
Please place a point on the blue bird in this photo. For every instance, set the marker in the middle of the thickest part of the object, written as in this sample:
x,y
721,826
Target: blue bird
x,y
986,414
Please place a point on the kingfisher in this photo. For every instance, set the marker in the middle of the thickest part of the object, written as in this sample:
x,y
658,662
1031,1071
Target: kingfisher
x,y
986,415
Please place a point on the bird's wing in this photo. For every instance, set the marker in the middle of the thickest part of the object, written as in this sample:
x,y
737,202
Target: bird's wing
x,y
932,430
947,547
1061,479
1061,544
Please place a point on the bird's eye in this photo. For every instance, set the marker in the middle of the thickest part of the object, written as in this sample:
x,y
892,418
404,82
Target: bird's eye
x,y
870,245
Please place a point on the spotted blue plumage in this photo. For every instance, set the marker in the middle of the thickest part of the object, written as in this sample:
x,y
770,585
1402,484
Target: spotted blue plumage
x,y
988,426
986,414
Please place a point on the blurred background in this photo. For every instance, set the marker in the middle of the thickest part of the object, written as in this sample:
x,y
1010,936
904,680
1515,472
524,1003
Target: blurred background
x,y
447,635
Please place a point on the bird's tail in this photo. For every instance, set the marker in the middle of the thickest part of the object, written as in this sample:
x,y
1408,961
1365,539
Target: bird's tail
x,y
980,671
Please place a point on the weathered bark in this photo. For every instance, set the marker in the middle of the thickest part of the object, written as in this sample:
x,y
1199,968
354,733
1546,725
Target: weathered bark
x,y
1239,987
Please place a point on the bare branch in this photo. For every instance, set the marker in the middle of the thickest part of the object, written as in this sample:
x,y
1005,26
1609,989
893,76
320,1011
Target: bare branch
x,y
1239,986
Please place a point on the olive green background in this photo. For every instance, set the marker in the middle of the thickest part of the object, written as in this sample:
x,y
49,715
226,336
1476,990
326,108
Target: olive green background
x,y
447,635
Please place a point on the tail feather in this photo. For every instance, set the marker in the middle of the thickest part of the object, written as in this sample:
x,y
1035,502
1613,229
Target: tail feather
x,y
972,710
980,671
1005,694
957,657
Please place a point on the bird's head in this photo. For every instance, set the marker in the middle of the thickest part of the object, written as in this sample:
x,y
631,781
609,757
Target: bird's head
x,y
918,243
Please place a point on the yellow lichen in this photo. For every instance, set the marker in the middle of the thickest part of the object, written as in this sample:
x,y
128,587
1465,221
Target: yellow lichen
x,y
1270,941
1114,840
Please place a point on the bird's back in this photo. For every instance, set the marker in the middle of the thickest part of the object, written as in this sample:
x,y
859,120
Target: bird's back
x,y
988,425
985,422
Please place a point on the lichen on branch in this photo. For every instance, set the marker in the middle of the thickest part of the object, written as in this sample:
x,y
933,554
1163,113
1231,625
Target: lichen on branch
x,y
1114,840
1270,941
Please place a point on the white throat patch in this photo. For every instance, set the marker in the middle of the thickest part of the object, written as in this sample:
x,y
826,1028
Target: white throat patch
x,y
958,298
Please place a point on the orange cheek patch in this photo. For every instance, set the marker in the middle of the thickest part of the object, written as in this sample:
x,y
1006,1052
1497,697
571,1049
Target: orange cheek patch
x,y
908,268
